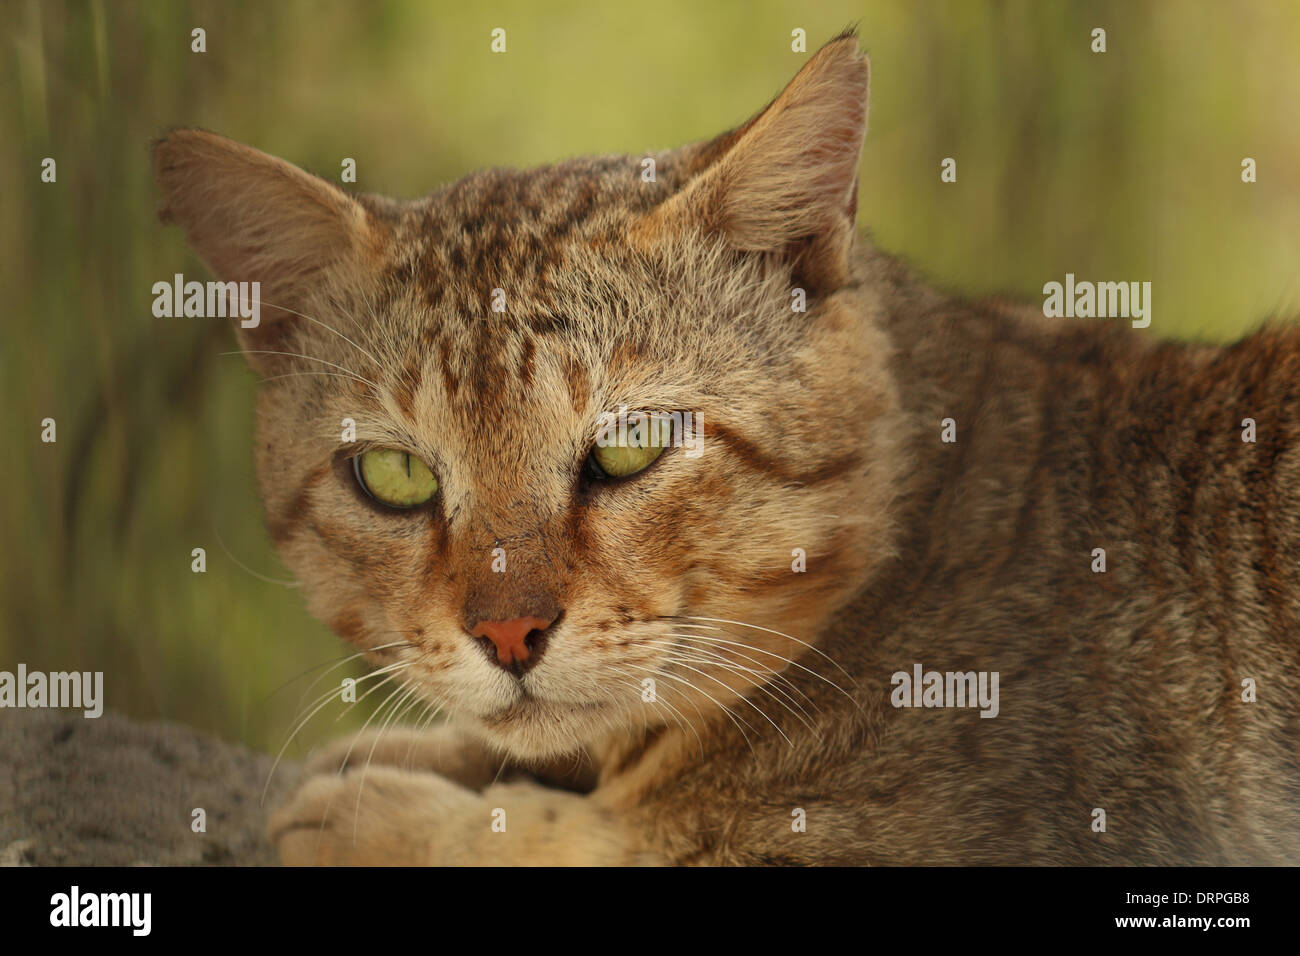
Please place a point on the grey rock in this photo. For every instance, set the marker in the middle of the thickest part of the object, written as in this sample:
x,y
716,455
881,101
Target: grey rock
x,y
113,792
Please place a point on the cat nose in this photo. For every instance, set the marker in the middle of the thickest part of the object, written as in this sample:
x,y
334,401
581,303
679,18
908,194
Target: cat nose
x,y
516,645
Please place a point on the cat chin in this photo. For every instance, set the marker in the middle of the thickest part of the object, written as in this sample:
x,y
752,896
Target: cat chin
x,y
540,730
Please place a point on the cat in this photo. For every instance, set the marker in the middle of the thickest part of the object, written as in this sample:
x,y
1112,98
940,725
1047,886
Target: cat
x,y
652,658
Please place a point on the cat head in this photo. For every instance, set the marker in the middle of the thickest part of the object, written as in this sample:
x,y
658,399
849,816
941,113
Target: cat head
x,y
439,448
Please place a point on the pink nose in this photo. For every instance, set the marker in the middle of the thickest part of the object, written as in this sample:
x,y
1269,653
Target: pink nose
x,y
516,641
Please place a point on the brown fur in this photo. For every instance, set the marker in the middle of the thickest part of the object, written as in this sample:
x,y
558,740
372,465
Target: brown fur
x,y
1119,690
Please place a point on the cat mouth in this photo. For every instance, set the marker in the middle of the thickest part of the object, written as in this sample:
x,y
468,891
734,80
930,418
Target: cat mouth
x,y
530,707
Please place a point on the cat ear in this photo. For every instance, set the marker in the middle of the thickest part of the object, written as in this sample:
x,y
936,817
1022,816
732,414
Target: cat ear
x,y
252,217
787,180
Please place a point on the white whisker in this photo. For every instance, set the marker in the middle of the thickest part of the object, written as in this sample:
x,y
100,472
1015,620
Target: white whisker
x,y
309,358
321,702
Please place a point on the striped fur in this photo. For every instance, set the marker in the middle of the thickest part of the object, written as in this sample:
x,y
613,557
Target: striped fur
x,y
1120,690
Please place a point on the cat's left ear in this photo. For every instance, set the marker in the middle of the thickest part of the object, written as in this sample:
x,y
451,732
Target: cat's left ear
x,y
786,181
253,217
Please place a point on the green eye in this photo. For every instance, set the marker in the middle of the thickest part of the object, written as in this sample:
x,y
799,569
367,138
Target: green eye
x,y
632,451
394,477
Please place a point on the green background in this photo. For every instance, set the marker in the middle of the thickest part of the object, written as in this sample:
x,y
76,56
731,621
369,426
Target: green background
x,y
1124,165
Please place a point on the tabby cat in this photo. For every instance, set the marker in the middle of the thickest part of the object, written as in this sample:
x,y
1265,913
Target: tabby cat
x,y
653,656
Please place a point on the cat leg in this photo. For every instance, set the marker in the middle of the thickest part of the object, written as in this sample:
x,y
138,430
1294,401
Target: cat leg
x,y
450,752
389,817
442,749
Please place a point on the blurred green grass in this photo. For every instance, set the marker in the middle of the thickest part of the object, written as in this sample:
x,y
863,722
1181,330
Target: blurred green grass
x,y
1121,166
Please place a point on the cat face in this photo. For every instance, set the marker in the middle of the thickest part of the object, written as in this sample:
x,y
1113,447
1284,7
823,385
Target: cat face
x,y
440,378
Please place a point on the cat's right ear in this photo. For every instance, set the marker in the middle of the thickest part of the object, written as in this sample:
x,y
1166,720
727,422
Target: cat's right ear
x,y
254,218
785,182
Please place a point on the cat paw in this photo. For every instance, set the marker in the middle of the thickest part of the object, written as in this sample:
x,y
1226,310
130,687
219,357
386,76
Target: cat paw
x,y
442,750
378,816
